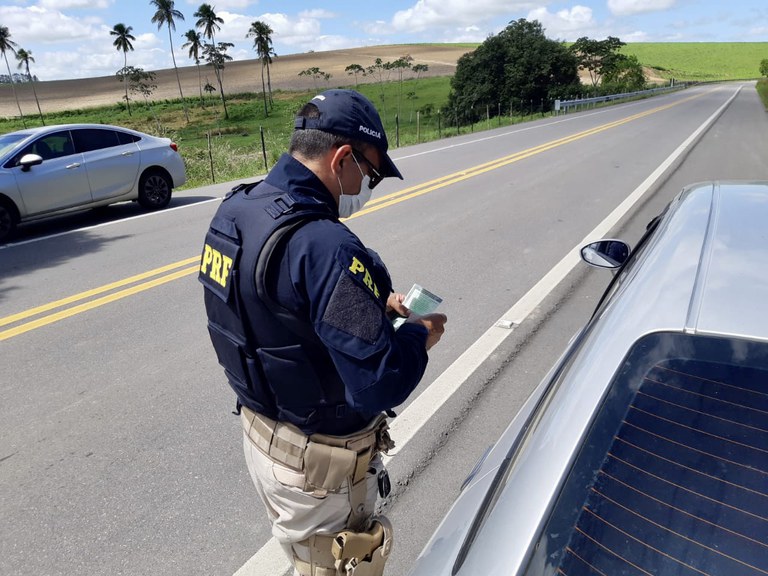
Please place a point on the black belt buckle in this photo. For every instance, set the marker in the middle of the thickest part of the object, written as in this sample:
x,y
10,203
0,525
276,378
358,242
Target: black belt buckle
x,y
385,487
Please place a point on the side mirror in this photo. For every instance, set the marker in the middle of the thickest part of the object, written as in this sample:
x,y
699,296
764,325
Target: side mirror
x,y
606,253
29,160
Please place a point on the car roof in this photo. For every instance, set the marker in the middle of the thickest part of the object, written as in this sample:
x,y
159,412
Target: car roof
x,y
57,127
706,273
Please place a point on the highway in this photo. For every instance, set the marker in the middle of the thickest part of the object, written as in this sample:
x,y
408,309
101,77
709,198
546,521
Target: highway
x,y
118,450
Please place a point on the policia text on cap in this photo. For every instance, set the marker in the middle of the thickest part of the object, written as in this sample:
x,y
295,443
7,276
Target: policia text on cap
x,y
298,315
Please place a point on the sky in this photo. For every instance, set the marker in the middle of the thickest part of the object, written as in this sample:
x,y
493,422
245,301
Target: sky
x,y
70,38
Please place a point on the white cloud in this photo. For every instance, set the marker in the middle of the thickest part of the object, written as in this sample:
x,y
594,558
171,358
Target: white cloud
x,y
219,5
72,4
629,7
565,24
317,13
35,24
426,14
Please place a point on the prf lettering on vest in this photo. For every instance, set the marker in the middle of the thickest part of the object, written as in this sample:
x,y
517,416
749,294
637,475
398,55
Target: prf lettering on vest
x,y
358,268
220,265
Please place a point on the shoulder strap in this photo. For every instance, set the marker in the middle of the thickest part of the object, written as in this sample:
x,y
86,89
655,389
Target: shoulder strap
x,y
289,320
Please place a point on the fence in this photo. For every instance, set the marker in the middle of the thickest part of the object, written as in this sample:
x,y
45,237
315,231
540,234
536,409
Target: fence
x,y
562,106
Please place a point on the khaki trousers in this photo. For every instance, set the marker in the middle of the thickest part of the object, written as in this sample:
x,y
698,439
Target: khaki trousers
x,y
295,514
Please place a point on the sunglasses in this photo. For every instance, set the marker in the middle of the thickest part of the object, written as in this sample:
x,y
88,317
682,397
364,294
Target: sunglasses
x,y
374,174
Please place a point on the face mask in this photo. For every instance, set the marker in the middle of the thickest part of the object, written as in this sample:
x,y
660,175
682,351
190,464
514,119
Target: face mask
x,y
348,203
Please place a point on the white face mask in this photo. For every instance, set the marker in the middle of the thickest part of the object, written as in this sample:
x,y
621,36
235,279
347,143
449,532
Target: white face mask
x,y
349,203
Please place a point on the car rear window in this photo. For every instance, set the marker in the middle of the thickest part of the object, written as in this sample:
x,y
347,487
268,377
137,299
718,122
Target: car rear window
x,y
87,139
673,475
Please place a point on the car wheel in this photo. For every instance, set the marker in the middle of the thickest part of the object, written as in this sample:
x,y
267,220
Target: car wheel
x,y
155,190
8,220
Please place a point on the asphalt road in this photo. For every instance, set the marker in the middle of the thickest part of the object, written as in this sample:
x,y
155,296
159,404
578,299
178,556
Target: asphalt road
x,y
118,453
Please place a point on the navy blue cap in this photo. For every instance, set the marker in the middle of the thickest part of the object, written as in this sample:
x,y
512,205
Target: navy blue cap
x,y
349,113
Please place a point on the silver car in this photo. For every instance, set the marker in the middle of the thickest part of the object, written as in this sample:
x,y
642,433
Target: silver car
x,y
54,169
645,449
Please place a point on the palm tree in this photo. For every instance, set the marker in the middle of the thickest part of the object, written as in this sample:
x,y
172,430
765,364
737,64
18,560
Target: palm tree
x,y
123,42
6,44
262,43
195,45
208,21
166,14
210,24
25,57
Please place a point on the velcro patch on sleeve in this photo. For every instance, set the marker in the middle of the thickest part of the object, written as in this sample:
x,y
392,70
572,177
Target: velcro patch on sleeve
x,y
353,310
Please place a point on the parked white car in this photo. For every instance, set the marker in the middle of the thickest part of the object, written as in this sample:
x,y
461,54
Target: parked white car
x,y
55,169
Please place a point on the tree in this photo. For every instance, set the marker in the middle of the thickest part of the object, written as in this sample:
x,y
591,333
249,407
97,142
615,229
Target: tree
x,y
166,14
401,64
623,73
122,42
216,55
355,69
25,57
596,55
419,68
208,21
316,75
8,45
195,46
262,43
519,66
764,67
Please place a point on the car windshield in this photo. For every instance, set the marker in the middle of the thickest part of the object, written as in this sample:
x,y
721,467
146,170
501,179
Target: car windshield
x,y
671,478
8,141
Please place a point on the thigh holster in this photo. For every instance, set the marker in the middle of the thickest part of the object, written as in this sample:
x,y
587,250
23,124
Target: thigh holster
x,y
349,553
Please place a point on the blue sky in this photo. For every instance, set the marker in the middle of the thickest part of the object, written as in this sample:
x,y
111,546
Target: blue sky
x,y
70,38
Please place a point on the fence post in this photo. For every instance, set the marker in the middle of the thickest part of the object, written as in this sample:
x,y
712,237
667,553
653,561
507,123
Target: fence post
x,y
397,131
210,156
439,126
418,127
264,149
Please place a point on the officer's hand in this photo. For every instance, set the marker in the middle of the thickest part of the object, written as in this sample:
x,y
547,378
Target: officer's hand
x,y
395,304
434,323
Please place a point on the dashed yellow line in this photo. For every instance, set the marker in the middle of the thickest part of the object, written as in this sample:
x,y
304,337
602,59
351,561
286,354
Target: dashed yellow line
x,y
166,275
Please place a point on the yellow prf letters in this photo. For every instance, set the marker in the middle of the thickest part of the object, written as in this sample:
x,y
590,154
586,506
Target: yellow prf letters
x,y
356,268
220,265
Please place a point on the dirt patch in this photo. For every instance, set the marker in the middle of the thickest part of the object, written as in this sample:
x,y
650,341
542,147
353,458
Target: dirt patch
x,y
241,76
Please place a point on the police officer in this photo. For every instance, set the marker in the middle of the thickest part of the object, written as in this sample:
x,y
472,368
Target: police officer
x,y
299,314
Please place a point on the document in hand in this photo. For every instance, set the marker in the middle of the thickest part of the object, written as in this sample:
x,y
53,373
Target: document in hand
x,y
419,301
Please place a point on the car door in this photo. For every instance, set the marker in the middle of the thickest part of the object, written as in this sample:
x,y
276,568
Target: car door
x,y
111,161
59,182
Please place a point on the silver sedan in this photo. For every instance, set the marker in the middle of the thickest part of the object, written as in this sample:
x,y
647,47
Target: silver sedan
x,y
645,449
56,169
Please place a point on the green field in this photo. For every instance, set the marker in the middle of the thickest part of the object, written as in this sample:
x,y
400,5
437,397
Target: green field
x,y
701,61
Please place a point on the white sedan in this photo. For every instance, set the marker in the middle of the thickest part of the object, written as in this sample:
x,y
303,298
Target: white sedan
x,y
55,169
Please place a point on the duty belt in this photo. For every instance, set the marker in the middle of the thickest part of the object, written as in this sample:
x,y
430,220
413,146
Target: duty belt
x,y
325,460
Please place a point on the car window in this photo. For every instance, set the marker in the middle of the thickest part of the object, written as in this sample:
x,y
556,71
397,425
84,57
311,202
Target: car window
x,y
50,146
127,138
8,141
88,139
671,478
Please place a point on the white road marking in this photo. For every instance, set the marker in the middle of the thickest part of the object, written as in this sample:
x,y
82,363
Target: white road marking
x,y
270,560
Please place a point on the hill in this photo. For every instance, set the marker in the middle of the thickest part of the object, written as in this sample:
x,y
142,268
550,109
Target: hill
x,y
241,76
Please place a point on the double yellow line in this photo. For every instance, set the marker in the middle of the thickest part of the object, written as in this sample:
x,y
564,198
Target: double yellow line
x,y
135,284
141,282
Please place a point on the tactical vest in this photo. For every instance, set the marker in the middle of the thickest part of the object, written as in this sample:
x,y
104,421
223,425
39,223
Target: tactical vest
x,y
273,360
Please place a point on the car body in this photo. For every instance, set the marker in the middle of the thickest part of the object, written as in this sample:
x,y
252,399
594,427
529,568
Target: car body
x,y
55,169
645,448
